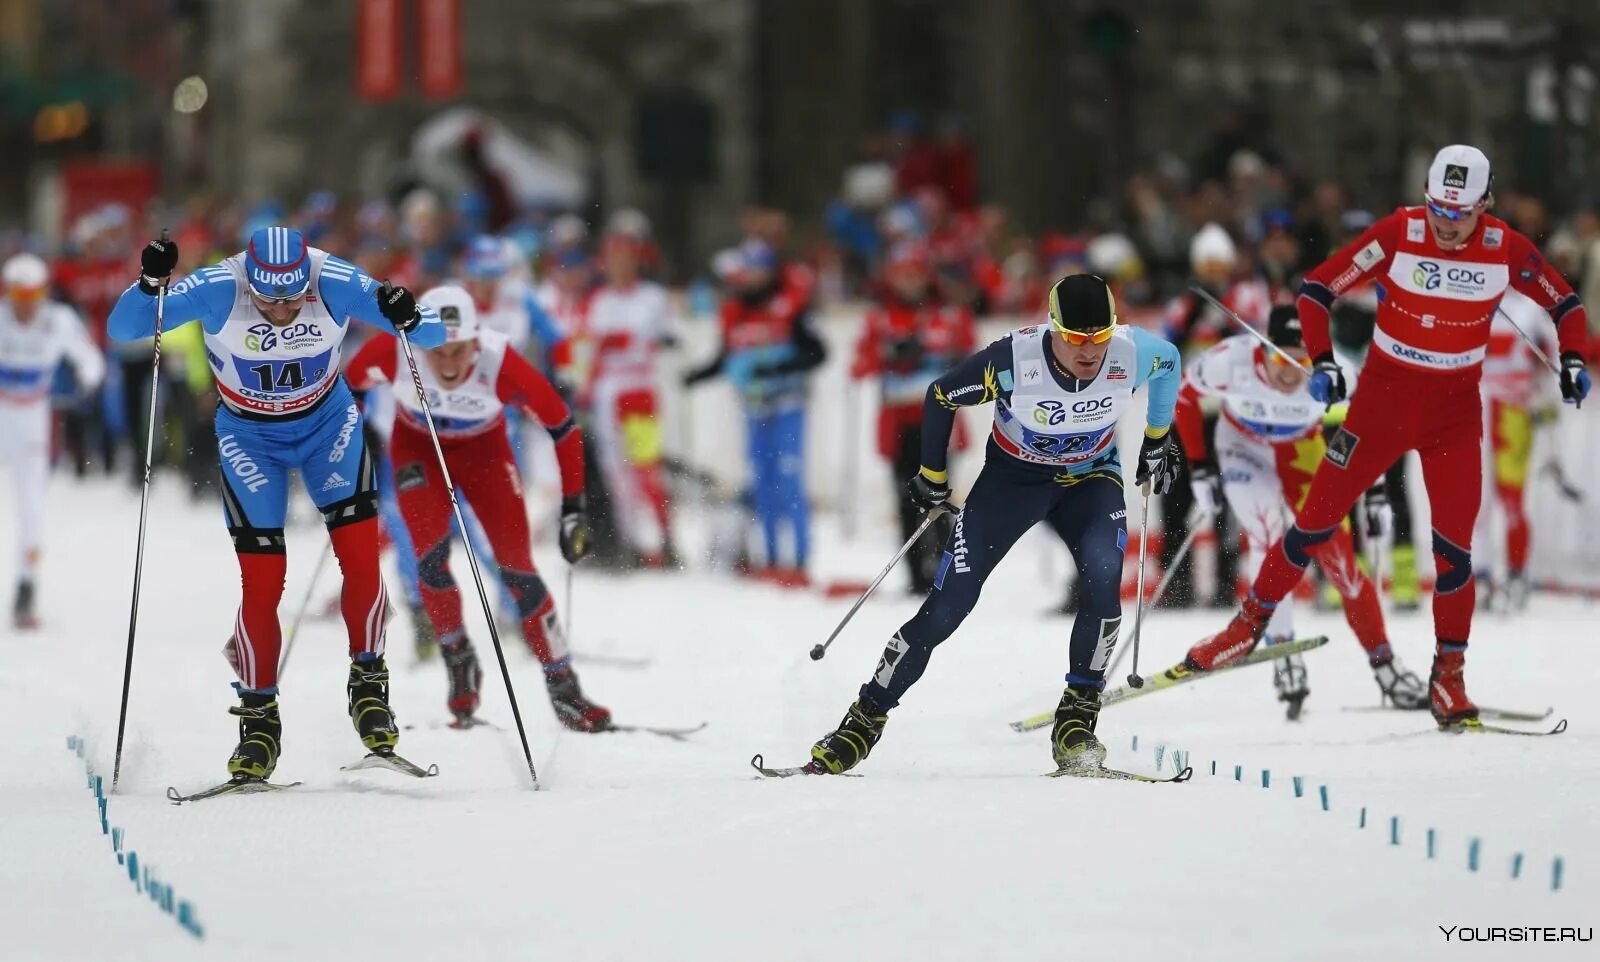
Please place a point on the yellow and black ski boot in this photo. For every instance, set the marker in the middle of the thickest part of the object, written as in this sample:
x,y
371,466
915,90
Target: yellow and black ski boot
x,y
846,746
369,706
260,736
1072,740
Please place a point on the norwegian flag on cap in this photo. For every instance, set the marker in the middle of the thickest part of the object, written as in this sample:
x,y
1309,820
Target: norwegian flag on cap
x,y
1459,176
277,262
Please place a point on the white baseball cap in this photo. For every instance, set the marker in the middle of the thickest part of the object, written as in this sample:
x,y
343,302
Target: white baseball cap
x,y
457,312
25,272
1212,243
1459,176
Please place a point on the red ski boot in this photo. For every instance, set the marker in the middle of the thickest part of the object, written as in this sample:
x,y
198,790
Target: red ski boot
x,y
461,662
572,708
1447,688
1235,641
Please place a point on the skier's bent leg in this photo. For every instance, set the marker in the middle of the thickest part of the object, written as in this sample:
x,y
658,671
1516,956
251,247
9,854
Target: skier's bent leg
x,y
1092,520
996,514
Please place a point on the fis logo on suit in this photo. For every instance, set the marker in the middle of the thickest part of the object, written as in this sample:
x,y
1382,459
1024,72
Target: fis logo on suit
x,y
265,337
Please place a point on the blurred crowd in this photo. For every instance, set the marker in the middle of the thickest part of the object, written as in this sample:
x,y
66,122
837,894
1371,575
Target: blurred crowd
x,y
910,236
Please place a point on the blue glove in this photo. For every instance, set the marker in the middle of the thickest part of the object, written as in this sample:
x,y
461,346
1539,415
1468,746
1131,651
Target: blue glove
x,y
740,368
1327,381
1574,379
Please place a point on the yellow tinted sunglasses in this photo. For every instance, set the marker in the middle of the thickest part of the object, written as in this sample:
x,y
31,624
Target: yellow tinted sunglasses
x,y
1099,336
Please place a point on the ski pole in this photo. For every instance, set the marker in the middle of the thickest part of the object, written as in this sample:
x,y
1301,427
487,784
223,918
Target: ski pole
x,y
566,607
1241,324
305,603
472,558
1527,339
144,506
1134,681
819,650
1166,579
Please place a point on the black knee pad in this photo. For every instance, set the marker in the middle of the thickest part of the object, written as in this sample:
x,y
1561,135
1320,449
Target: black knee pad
x,y
1455,571
433,568
528,587
247,540
361,506
1297,544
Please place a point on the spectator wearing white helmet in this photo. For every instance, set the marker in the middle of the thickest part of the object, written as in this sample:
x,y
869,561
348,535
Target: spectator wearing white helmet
x,y
36,334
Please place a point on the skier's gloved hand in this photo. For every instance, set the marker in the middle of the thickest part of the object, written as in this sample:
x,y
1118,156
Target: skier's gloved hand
x,y
1159,463
926,493
1379,512
399,308
574,533
157,262
1327,380
1207,487
1574,379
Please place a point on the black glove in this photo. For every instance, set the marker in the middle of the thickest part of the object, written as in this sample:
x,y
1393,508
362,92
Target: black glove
x,y
398,307
574,529
927,494
1379,512
157,262
1158,463
1327,380
1207,487
1574,379
903,355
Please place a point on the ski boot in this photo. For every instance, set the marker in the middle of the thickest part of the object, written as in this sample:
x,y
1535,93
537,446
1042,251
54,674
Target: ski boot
x,y
1235,641
1514,595
260,736
1405,588
1401,687
369,706
461,661
1072,741
844,748
1289,680
427,643
1451,707
22,614
572,709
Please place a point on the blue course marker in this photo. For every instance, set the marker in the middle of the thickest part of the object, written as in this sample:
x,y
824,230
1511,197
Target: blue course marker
x,y
1363,817
1299,787
1430,842
1556,870
1323,791
1394,830
1238,773
1266,778
1516,865
1473,848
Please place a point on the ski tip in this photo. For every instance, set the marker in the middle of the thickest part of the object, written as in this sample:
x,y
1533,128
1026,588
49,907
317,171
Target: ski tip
x,y
1184,775
757,762
174,796
1561,726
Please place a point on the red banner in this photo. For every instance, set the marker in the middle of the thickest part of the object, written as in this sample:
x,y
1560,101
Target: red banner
x,y
379,49
439,48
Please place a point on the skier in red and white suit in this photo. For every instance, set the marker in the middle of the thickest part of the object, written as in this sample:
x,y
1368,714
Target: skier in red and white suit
x,y
628,320
1442,268
1510,386
469,380
1268,444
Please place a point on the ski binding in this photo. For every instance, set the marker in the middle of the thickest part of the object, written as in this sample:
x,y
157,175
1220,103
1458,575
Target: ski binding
x,y
393,763
237,785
